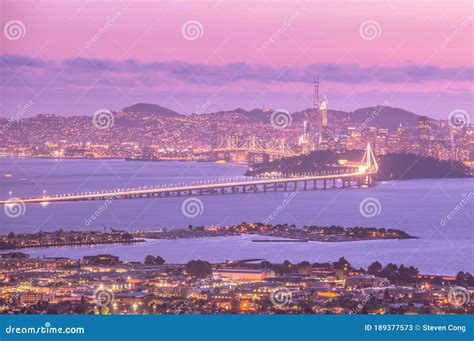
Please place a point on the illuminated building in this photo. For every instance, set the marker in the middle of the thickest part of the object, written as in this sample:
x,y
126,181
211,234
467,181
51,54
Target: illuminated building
x,y
242,275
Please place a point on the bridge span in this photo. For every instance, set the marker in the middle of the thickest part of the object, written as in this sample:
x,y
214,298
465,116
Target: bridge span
x,y
362,175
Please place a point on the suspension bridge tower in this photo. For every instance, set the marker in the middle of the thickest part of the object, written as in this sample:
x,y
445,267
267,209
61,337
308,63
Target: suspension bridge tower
x,y
369,165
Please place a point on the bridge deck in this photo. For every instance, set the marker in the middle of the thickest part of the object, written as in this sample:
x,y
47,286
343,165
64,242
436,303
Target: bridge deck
x,y
188,188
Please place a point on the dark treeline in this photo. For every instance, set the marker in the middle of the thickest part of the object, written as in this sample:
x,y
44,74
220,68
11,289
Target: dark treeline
x,y
392,166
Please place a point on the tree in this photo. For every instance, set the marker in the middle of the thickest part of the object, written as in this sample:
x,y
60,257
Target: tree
x,y
304,267
342,264
149,260
199,268
375,268
159,260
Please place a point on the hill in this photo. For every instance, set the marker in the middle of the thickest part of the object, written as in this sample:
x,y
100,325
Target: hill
x,y
151,109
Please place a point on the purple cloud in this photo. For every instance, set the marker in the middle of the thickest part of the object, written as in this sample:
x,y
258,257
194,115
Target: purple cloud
x,y
217,75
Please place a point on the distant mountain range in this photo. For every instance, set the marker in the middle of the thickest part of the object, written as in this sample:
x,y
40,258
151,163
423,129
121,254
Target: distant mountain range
x,y
378,116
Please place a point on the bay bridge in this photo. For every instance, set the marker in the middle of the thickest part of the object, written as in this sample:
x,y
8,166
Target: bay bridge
x,y
249,150
354,175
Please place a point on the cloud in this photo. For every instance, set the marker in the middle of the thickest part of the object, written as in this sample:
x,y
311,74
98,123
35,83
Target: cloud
x,y
76,71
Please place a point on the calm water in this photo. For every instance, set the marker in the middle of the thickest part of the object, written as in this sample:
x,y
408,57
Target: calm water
x,y
416,206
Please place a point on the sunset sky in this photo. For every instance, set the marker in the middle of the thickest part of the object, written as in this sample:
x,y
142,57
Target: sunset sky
x,y
73,58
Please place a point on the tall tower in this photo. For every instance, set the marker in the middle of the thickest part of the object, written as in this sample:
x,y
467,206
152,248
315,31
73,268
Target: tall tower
x,y
316,93
317,113
323,109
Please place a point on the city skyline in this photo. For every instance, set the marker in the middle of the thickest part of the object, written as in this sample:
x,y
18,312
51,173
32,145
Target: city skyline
x,y
102,56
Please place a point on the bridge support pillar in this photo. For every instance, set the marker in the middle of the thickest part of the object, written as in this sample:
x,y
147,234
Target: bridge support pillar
x,y
295,186
264,187
285,187
334,183
324,184
305,185
315,184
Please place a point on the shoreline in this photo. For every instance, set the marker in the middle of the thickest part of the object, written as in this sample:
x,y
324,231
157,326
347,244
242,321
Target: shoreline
x,y
289,233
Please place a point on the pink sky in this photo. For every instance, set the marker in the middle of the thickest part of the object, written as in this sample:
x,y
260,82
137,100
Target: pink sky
x,y
410,64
